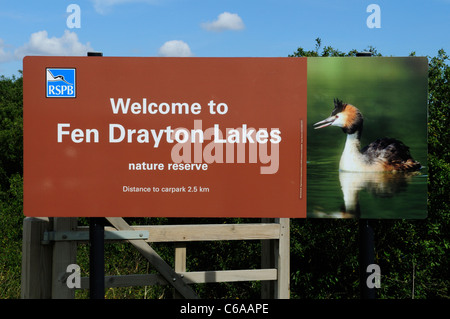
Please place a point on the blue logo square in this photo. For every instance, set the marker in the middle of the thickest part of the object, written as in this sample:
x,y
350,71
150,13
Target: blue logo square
x,y
60,82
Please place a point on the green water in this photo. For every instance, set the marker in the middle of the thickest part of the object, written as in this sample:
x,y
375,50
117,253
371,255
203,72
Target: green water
x,y
391,93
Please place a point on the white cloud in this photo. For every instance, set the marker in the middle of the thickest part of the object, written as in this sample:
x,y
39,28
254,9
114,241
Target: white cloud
x,y
41,44
225,21
175,48
104,6
4,55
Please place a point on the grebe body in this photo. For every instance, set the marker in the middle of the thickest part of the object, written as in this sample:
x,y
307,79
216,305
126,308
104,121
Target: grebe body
x,y
384,154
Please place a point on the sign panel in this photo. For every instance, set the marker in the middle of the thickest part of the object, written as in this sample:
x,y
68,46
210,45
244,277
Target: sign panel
x,y
172,137
367,155
225,137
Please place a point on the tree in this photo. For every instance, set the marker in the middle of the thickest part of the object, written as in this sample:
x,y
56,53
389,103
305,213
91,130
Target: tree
x,y
328,51
11,184
11,136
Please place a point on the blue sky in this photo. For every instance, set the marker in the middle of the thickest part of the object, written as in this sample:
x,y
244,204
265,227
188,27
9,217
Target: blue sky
x,y
213,28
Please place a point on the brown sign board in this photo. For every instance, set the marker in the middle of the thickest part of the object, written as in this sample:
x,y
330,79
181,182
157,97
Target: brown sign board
x,y
164,137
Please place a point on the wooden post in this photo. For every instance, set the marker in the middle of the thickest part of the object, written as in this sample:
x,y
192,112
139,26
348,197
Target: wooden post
x,y
36,260
64,254
276,254
180,257
180,262
267,261
282,260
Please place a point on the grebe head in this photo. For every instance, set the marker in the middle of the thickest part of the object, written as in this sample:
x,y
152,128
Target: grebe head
x,y
345,116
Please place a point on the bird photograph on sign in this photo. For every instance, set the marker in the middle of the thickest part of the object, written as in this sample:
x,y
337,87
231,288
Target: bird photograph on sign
x,y
379,172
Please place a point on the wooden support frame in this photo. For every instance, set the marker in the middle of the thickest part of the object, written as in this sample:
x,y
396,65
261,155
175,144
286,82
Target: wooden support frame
x,y
274,236
163,268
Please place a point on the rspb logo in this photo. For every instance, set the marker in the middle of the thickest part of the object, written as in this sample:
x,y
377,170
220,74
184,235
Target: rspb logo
x,y
60,82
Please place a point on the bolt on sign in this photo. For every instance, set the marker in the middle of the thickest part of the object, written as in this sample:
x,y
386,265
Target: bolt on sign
x,y
165,137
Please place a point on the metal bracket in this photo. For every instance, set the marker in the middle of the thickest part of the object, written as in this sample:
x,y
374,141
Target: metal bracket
x,y
84,235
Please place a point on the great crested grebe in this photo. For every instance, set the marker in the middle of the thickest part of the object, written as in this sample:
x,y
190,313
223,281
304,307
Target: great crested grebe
x,y
384,154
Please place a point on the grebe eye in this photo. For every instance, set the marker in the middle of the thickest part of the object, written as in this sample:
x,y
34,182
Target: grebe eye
x,y
337,116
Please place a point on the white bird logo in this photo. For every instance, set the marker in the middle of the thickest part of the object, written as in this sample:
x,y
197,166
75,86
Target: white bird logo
x,y
52,78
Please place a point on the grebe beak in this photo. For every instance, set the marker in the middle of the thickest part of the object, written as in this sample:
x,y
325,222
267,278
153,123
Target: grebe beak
x,y
327,122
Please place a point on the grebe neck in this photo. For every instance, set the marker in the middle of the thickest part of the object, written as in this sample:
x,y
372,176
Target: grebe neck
x,y
352,159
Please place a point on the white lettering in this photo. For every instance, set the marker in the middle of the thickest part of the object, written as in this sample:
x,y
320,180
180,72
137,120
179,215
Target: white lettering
x,y
154,108
61,132
115,107
77,135
157,137
112,128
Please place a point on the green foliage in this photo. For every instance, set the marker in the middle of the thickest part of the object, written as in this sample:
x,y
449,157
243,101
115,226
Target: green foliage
x,y
413,255
11,136
324,259
329,51
11,202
